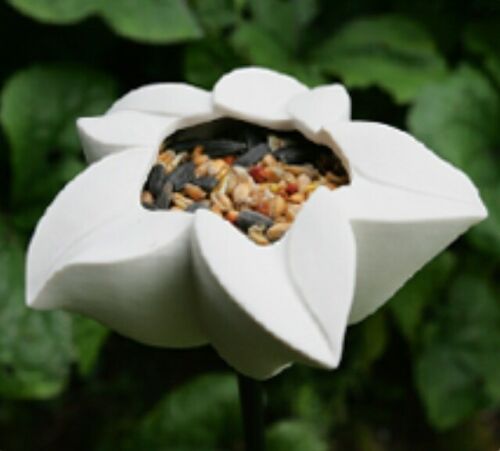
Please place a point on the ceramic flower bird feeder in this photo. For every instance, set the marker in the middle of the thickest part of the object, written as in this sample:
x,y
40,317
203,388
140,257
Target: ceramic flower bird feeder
x,y
183,277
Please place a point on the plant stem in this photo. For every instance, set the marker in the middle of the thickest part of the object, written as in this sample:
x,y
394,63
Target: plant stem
x,y
252,408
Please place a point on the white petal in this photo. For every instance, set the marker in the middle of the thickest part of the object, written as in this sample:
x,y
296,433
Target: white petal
x,y
257,95
170,99
250,310
322,258
98,252
396,233
387,155
103,135
320,106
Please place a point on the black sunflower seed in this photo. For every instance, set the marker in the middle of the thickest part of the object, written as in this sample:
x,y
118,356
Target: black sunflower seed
x,y
164,199
191,136
182,174
253,155
180,146
217,148
254,136
214,148
294,155
206,183
248,218
156,180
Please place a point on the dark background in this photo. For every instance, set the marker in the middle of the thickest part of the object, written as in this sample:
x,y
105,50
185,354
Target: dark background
x,y
421,374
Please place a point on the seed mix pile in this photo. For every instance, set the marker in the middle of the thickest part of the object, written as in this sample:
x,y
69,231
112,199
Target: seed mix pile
x,y
258,179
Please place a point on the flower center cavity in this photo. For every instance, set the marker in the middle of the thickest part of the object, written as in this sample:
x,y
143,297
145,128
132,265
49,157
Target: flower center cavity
x,y
256,178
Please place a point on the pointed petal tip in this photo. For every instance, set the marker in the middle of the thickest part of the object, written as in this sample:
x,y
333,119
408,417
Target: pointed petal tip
x,y
480,212
77,259
390,156
85,203
30,298
322,258
241,304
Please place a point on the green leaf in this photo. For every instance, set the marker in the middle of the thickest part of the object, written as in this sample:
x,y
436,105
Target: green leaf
x,y
482,38
486,236
199,416
282,31
425,288
216,15
392,52
458,370
305,11
458,118
258,47
294,435
365,344
56,11
88,338
293,15
368,341
309,405
206,61
35,347
284,21
39,107
151,21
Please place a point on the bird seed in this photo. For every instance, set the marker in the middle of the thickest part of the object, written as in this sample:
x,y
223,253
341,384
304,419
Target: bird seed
x,y
256,178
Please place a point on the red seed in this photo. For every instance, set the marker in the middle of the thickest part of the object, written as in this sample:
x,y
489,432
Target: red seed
x,y
258,173
229,159
292,188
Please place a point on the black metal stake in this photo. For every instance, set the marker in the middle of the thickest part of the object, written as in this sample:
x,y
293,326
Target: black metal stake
x,y
252,408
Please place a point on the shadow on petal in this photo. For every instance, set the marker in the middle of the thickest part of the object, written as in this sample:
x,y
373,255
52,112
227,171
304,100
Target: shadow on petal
x,y
386,155
397,232
97,251
322,256
248,306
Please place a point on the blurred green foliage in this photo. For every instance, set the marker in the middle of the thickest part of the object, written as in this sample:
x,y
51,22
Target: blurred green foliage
x,y
423,373
400,54
47,123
